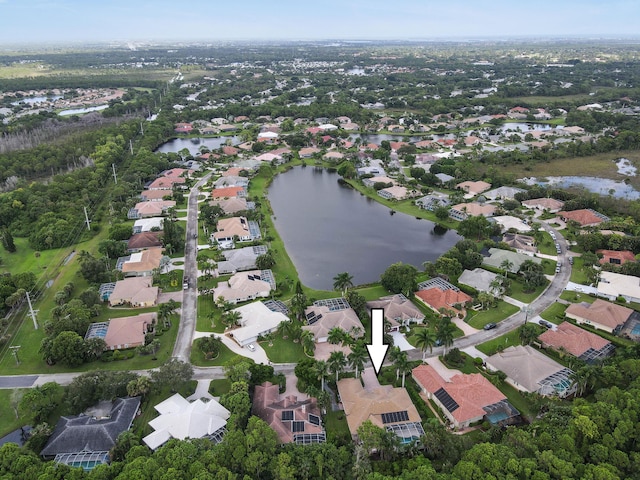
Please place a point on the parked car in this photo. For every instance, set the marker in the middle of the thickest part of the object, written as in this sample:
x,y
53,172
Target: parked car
x,y
490,326
546,324
251,347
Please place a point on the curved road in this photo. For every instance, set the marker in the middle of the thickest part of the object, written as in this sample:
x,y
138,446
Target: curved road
x,y
182,348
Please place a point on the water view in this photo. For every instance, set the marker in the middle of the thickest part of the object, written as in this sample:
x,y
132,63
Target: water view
x,y
194,144
601,186
328,229
78,111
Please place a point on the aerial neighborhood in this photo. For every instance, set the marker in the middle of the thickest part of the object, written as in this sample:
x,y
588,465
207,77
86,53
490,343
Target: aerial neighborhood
x,y
200,280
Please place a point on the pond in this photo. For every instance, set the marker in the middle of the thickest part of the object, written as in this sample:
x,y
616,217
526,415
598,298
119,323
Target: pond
x,y
328,228
78,111
601,186
194,144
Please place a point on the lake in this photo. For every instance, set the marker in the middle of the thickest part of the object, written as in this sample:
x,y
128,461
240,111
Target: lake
x,y
601,186
328,229
212,143
78,111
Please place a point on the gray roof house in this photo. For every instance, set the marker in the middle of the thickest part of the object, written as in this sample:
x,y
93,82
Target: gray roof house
x,y
398,310
497,256
530,371
240,259
479,279
503,193
79,440
433,201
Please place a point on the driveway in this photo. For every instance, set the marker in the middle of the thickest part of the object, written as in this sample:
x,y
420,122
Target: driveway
x,y
465,327
370,379
399,340
442,370
259,356
292,387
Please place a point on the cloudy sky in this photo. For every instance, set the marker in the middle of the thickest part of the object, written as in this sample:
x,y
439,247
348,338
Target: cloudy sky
x,y
38,21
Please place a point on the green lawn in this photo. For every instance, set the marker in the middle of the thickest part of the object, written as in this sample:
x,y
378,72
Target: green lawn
x,y
225,355
578,274
492,315
411,336
507,340
219,387
282,350
555,313
577,297
336,425
547,246
518,400
209,316
8,420
517,292
468,367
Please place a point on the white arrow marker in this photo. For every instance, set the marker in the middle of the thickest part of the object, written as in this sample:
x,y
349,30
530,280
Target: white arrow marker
x,y
377,350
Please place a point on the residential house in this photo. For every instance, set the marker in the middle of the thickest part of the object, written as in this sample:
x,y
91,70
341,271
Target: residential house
x,y
530,371
616,257
230,151
394,193
575,341
550,204
240,259
243,286
386,407
232,172
600,314
503,193
183,420
473,188
308,152
498,256
370,182
155,195
444,178
141,241
256,320
231,181
449,299
295,421
462,211
585,217
334,156
464,398
150,209
229,192
230,229
521,243
478,278
148,224
322,318
85,440
398,310
433,200
134,291
233,205
123,332
141,264
176,172
166,183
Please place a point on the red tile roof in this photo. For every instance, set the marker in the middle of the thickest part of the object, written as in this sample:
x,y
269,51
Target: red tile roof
x,y
621,255
600,312
584,217
573,339
437,298
226,192
227,150
471,392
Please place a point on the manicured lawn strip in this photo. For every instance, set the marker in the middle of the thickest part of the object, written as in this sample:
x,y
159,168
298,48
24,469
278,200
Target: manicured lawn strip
x,y
219,387
555,313
517,292
492,314
141,423
335,423
468,367
547,246
225,355
578,274
373,292
507,340
577,297
206,308
283,350
8,420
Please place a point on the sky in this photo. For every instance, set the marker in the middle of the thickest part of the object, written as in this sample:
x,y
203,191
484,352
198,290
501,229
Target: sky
x,y
63,21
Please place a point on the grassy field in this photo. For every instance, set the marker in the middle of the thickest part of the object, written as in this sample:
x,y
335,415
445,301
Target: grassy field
x,y
576,297
8,420
336,425
547,245
282,350
555,313
492,315
219,387
517,292
225,355
577,272
507,340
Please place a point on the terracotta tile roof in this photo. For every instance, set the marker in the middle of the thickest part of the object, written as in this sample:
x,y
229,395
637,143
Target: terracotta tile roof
x,y
226,192
144,261
471,392
232,172
474,187
129,331
166,183
397,308
584,217
144,240
600,312
227,150
438,298
621,255
548,203
154,194
573,339
268,405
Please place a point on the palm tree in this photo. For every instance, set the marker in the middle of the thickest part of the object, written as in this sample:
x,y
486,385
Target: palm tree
x,y
337,361
231,318
357,357
528,333
403,366
445,331
336,336
580,380
322,369
308,342
394,354
506,265
298,301
343,281
425,339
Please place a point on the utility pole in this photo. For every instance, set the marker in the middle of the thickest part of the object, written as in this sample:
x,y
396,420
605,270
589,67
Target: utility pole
x,y
14,351
113,167
86,218
32,312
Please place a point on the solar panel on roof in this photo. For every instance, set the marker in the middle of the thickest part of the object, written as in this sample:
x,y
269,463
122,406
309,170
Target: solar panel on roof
x,y
445,399
287,415
394,417
314,419
297,427
310,315
312,320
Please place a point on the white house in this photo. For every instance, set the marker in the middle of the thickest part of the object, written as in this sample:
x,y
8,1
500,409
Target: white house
x,y
256,320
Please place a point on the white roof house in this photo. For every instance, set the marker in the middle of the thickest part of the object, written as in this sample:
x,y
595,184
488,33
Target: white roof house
x,y
479,279
612,285
182,419
256,320
243,286
147,224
